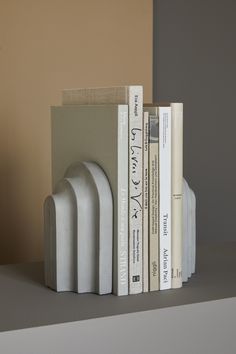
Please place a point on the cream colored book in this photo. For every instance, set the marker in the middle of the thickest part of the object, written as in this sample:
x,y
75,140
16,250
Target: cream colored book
x,y
145,201
177,193
132,96
154,267
165,196
98,134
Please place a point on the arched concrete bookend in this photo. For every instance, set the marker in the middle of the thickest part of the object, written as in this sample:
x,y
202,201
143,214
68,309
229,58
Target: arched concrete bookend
x,y
189,232
78,219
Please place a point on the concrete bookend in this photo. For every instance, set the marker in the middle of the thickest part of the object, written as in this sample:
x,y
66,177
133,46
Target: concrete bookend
x,y
189,232
78,229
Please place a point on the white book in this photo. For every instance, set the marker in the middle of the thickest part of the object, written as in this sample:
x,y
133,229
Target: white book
x,y
145,202
133,96
98,134
154,267
165,196
177,193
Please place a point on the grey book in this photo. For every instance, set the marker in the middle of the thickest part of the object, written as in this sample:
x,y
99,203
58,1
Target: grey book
x,y
98,134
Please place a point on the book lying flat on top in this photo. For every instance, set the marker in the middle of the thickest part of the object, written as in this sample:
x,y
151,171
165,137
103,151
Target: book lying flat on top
x,y
98,134
133,97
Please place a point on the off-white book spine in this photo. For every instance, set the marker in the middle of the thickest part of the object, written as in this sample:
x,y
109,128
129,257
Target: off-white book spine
x,y
135,188
145,202
177,194
154,268
133,96
165,196
121,244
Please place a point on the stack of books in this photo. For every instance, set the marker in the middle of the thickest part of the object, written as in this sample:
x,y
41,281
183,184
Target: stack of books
x,y
140,149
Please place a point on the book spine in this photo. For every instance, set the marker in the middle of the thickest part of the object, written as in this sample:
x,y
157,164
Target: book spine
x,y
177,194
145,202
120,281
154,269
165,197
135,188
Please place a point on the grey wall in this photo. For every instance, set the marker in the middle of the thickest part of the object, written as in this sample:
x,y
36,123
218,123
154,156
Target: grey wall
x,y
195,62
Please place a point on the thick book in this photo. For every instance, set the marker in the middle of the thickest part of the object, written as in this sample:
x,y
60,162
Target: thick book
x,y
133,97
177,193
145,201
154,266
165,196
98,134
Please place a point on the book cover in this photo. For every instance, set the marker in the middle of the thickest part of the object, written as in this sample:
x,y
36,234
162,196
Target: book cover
x,y
98,134
133,96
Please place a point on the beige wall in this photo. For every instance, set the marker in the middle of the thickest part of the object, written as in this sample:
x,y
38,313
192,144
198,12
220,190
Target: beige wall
x,y
46,46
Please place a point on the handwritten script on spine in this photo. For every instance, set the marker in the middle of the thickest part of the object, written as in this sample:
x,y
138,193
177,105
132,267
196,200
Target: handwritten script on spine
x,y
136,151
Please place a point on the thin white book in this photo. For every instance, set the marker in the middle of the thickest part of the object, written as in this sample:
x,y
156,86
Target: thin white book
x,y
145,201
132,96
165,196
154,266
98,134
177,193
